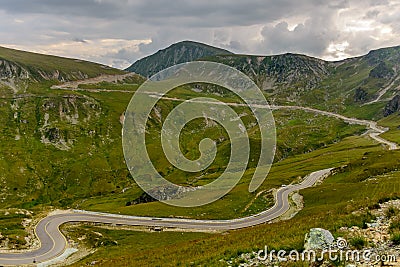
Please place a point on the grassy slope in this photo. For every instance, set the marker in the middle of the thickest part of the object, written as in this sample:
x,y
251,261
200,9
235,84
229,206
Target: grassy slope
x,y
92,174
297,133
33,172
333,210
329,206
393,123
95,147
116,242
38,173
51,63
300,80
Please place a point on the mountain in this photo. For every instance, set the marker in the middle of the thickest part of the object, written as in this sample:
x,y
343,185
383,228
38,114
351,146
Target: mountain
x,y
20,66
287,70
53,130
60,148
366,82
181,52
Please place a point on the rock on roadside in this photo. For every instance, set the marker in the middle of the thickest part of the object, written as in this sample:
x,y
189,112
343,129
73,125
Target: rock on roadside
x,y
318,239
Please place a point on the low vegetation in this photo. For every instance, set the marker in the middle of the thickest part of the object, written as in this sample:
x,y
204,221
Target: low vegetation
x,y
62,149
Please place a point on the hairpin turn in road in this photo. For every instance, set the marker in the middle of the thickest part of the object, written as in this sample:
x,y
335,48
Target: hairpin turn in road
x,y
53,242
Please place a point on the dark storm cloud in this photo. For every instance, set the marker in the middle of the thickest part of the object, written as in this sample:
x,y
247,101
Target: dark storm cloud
x,y
215,13
119,32
90,8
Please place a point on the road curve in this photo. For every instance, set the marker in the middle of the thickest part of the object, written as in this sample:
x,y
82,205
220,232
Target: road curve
x,y
374,129
53,242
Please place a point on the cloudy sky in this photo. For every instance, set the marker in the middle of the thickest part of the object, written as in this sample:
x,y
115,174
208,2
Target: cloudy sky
x,y
118,32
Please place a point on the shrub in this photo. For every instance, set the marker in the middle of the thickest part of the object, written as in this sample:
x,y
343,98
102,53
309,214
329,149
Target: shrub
x,y
391,212
358,242
395,238
395,225
375,206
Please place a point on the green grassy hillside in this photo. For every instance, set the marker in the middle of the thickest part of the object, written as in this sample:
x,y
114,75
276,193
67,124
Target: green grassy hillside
x,y
345,86
332,205
67,69
62,149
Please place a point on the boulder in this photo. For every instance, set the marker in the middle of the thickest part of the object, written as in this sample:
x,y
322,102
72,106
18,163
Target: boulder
x,y
318,239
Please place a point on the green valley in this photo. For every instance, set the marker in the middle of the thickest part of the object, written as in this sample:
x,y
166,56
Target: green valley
x,y
60,149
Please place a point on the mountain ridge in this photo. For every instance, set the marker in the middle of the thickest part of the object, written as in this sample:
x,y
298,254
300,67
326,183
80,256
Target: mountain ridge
x,y
288,78
61,148
177,53
297,78
17,65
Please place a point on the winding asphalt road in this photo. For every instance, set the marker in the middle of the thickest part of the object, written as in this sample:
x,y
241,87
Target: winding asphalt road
x,y
53,242
374,129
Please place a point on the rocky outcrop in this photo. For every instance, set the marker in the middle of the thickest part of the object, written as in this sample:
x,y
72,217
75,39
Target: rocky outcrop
x,y
144,198
360,96
57,121
285,71
392,107
15,73
292,69
11,70
318,239
161,193
389,54
382,71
